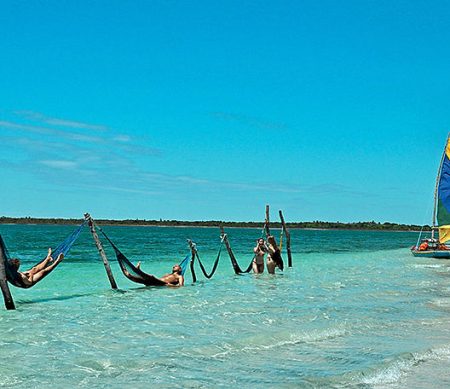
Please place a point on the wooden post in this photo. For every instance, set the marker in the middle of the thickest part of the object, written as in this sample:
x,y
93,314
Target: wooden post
x,y
288,239
224,236
9,302
266,224
193,255
101,251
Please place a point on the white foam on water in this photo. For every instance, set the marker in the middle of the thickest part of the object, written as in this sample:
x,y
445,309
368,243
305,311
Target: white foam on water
x,y
9,381
293,339
442,302
305,338
427,266
393,374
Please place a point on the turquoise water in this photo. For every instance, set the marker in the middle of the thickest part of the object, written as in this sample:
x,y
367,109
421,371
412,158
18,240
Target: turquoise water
x,y
356,310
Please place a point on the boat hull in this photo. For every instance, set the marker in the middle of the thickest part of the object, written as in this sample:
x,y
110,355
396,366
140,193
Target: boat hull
x,y
431,253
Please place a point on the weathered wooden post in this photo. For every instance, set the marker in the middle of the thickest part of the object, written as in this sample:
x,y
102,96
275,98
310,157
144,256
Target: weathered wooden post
x,y
267,221
233,260
101,251
288,239
224,236
9,302
193,255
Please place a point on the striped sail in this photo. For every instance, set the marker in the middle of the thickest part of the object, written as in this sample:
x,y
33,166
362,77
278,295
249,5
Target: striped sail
x,y
443,196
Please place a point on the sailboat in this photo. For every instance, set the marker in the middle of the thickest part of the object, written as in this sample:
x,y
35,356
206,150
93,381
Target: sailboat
x,y
440,230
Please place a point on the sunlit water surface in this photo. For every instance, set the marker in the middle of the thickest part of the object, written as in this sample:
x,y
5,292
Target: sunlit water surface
x,y
356,310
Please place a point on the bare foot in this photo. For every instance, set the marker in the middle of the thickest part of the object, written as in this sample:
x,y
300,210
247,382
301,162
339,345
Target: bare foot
x,y
60,258
138,265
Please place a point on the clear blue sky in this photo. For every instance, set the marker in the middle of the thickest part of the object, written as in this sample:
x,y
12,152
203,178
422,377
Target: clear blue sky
x,y
329,110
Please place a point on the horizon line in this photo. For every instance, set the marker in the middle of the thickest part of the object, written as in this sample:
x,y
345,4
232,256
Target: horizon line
x,y
215,221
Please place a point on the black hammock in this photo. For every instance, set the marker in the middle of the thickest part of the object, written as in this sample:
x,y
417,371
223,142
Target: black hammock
x,y
202,267
237,269
135,274
13,276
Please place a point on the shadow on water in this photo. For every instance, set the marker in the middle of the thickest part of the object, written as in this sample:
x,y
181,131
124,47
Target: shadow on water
x,y
154,288
63,298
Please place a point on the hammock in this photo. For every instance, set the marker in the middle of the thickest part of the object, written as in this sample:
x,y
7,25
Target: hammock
x,y
135,274
13,276
202,267
237,269
276,257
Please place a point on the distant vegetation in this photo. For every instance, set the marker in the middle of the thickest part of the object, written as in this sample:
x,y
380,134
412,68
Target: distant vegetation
x,y
215,223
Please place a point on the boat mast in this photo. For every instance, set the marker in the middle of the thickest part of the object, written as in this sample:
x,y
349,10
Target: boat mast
x,y
433,227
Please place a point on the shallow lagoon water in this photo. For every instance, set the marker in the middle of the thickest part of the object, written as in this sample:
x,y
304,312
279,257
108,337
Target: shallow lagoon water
x,y
356,310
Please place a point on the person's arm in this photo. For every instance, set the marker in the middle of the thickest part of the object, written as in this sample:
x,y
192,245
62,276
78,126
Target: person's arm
x,y
269,248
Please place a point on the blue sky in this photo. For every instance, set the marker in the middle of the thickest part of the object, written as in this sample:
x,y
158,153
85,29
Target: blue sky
x,y
329,110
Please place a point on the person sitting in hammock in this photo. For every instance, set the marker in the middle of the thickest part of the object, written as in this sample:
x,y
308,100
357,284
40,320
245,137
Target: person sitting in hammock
x,y
36,273
172,279
274,256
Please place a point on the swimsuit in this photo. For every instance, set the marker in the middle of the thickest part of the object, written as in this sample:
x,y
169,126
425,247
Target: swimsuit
x,y
259,259
276,257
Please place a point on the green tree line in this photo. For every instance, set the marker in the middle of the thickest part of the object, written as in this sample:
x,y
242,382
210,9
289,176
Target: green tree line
x,y
317,224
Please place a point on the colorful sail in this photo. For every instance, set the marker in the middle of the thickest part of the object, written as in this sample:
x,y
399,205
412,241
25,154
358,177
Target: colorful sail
x,y
444,234
443,197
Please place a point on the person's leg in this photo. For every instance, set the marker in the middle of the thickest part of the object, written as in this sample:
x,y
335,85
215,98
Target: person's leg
x,y
270,266
41,265
255,267
42,273
261,268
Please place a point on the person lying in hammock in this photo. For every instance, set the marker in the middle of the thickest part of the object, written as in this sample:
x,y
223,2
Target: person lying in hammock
x,y
172,279
36,273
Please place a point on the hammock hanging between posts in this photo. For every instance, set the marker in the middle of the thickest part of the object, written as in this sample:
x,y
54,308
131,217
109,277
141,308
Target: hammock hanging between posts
x,y
237,269
202,267
13,276
137,275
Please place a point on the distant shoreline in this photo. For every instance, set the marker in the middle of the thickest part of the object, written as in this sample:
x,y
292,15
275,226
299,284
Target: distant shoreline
x,y
315,225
